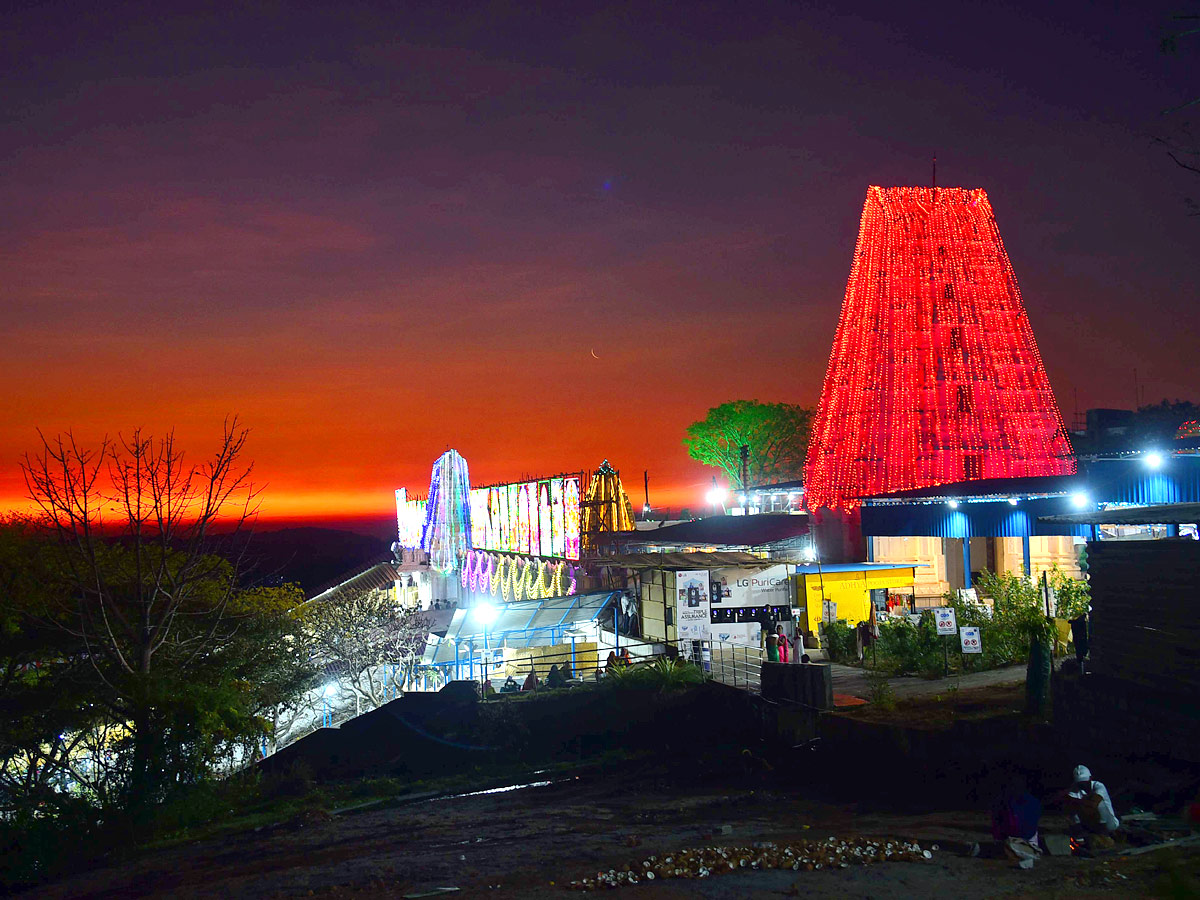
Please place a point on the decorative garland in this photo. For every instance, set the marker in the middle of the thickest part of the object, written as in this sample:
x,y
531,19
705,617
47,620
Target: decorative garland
x,y
517,578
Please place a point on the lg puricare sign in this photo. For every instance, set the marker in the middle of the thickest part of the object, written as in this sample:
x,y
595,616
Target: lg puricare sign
x,y
751,587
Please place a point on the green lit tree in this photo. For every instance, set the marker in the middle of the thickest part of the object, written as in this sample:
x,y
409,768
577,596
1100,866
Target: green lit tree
x,y
776,434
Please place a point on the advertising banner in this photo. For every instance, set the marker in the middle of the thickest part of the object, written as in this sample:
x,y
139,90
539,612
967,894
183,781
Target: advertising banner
x,y
691,605
751,587
743,634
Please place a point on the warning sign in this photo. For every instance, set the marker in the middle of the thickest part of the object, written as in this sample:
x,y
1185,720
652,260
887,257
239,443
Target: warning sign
x,y
946,622
968,636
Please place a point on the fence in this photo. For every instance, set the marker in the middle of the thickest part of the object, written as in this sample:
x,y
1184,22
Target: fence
x,y
736,665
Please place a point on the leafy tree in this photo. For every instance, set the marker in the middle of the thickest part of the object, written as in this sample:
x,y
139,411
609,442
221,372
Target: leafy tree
x,y
182,658
776,433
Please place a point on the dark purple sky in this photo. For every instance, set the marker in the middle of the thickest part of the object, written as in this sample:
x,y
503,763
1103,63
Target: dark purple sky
x,y
375,231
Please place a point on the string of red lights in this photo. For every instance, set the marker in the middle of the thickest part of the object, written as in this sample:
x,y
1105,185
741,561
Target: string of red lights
x,y
934,376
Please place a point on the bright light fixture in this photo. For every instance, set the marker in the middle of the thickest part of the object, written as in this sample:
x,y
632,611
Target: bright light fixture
x,y
1079,500
485,613
715,496
810,553
953,504
330,689
1012,501
1153,460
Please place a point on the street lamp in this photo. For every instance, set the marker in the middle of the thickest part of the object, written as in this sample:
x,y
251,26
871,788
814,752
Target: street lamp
x,y
715,496
1079,500
485,614
1153,460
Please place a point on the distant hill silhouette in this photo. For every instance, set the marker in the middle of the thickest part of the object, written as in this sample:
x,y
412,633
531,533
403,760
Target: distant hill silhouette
x,y
310,556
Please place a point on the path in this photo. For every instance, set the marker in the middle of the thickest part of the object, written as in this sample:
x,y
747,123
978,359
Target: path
x,y
853,681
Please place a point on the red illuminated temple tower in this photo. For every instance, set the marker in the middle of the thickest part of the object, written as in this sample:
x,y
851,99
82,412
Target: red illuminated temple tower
x,y
934,375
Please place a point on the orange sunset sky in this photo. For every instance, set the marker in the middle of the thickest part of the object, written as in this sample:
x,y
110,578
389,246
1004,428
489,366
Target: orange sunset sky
x,y
375,236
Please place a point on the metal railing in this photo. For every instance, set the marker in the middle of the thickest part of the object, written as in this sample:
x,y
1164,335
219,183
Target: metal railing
x,y
736,665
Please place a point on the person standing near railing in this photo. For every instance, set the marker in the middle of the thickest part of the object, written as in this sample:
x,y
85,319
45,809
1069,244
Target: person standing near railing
x,y
772,646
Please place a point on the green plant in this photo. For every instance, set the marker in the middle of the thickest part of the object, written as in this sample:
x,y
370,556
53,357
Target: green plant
x,y
879,690
909,649
658,675
839,642
1074,595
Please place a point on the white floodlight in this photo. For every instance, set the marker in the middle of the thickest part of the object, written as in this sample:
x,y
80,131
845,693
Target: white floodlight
x,y
1079,500
1012,501
330,689
953,504
715,496
810,553
1153,460
485,613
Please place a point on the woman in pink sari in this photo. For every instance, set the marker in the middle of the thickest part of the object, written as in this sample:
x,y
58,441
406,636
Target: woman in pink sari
x,y
784,643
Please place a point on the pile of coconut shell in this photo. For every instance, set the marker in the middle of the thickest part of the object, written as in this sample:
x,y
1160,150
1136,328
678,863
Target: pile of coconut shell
x,y
807,856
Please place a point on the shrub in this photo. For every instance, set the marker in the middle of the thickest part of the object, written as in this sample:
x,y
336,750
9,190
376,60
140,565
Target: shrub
x,y
911,649
839,642
1074,595
658,675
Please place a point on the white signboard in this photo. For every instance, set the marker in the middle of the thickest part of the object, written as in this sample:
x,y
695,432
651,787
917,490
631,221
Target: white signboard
x,y
946,622
751,587
828,610
743,634
968,636
691,605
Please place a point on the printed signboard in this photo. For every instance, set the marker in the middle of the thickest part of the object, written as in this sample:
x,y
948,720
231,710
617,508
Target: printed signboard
x,y
691,605
945,619
968,636
751,587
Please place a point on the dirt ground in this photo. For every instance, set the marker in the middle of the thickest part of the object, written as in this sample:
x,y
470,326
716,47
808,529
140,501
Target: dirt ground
x,y
531,842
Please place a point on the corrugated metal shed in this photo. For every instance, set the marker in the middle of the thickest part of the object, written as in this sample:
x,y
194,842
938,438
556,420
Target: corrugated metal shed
x,y
1042,503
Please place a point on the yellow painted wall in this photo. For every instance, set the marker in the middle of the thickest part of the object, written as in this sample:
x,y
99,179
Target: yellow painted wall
x,y
850,591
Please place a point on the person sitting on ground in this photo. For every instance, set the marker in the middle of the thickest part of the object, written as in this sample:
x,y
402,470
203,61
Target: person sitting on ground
x,y
531,681
488,690
510,686
805,658
625,659
611,662
565,669
554,679
1089,805
1015,817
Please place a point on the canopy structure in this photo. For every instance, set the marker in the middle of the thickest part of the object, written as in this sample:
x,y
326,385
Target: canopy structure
x,y
1158,514
525,623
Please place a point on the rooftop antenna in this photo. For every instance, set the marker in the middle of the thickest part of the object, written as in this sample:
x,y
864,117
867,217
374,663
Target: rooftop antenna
x,y
935,170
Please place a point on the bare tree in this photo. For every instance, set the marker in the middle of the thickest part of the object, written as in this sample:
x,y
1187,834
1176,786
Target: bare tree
x,y
136,527
368,644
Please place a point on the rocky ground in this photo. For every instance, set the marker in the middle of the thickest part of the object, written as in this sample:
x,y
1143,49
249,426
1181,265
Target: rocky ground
x,y
534,841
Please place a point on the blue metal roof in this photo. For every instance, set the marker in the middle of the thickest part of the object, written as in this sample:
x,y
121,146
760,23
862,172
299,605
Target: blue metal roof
x,y
523,623
984,509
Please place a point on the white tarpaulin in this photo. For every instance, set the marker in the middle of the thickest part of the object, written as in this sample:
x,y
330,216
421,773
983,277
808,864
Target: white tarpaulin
x,y
744,634
751,587
691,605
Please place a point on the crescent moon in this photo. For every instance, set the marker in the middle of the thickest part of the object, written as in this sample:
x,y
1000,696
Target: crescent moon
x,y
593,352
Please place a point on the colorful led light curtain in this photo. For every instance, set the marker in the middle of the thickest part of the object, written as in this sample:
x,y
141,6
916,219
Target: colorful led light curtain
x,y
934,376
514,578
446,535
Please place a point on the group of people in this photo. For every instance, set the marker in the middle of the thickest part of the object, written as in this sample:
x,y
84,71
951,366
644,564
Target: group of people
x,y
780,646
449,604
617,660
1017,815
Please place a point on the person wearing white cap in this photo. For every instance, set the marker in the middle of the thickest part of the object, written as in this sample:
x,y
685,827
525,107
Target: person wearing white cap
x,y
1090,806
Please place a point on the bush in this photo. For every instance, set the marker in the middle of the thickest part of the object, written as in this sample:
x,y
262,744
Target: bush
x,y
1074,595
659,675
839,642
910,649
